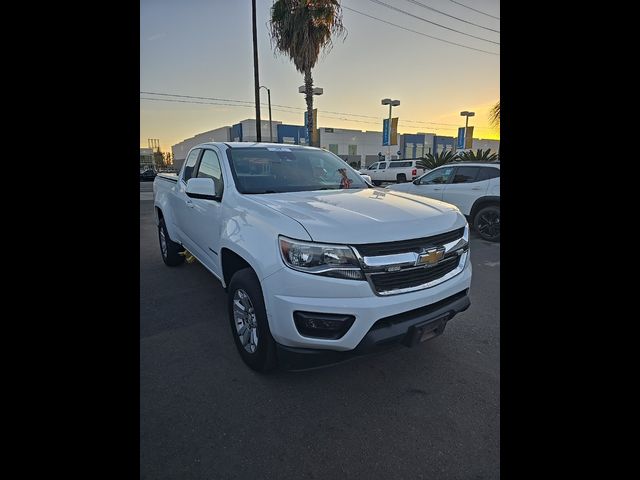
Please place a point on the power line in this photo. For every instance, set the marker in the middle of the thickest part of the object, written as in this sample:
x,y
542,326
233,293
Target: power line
x,y
429,21
446,14
420,33
483,13
403,122
282,106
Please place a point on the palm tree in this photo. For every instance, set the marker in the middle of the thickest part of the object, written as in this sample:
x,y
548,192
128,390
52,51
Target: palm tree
x,y
494,115
479,156
431,161
301,29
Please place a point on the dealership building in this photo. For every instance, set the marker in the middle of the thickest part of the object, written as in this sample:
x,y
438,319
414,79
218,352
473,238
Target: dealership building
x,y
360,148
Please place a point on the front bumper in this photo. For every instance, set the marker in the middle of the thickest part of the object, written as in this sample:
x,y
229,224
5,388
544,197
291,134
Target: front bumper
x,y
406,328
288,290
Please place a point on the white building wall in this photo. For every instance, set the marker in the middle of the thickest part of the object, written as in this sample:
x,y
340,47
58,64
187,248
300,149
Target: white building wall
x,y
367,143
249,130
181,149
479,143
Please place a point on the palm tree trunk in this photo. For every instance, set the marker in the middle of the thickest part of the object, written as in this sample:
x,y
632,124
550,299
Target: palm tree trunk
x,y
308,91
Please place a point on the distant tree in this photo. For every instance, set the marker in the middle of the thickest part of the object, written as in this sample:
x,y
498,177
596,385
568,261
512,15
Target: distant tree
x,y
301,29
431,161
494,115
167,159
478,156
158,159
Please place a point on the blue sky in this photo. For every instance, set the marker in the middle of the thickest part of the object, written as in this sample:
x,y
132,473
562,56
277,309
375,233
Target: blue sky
x,y
204,48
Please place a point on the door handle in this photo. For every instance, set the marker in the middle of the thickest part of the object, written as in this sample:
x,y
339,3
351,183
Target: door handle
x,y
437,189
476,189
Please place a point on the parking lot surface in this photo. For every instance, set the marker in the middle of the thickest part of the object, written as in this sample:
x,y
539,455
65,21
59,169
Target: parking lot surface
x,y
429,412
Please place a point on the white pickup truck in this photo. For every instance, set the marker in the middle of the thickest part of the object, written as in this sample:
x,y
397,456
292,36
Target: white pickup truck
x,y
318,265
399,171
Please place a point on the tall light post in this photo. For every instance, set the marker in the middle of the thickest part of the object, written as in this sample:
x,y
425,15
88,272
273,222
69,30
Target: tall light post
x,y
466,124
270,127
391,103
316,91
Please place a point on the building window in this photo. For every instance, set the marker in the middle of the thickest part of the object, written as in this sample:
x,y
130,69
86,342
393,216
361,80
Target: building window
x,y
419,150
333,148
353,149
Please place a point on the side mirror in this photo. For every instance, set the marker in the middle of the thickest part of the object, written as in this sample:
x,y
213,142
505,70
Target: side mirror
x,y
367,178
416,181
202,188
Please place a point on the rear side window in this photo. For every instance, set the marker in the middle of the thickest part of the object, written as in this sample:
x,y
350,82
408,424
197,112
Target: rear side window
x,y
399,164
210,168
438,176
465,175
487,173
190,164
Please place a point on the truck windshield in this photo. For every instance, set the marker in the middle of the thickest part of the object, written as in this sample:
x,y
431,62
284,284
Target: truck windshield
x,y
284,169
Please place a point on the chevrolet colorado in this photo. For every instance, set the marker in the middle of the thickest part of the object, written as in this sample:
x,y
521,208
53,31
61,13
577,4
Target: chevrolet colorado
x,y
319,266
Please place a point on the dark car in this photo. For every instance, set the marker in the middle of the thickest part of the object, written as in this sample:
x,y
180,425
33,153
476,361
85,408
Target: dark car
x,y
147,176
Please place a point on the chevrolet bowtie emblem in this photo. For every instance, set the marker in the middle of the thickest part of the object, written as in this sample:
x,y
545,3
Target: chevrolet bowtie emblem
x,y
431,256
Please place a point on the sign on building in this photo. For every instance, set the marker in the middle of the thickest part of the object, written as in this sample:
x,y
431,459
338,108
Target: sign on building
x,y
468,141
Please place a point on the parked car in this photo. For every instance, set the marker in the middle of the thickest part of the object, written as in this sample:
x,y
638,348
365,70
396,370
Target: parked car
x,y
147,176
318,265
393,171
472,187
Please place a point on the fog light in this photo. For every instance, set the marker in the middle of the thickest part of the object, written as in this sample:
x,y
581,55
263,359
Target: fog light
x,y
322,325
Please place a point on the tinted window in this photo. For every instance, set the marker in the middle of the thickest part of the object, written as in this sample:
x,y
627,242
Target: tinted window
x,y
441,175
399,164
210,168
190,164
465,175
382,166
373,167
487,173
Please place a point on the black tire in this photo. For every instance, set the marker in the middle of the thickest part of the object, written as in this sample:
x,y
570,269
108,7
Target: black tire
x,y
171,254
401,178
377,183
487,223
263,357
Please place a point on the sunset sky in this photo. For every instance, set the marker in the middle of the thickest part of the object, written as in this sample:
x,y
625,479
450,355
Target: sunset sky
x,y
203,48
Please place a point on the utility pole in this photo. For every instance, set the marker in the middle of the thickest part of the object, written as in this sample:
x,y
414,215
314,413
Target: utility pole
x,y
255,73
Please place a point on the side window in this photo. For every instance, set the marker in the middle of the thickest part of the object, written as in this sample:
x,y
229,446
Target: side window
x,y
373,167
382,165
190,164
438,176
487,173
466,175
210,168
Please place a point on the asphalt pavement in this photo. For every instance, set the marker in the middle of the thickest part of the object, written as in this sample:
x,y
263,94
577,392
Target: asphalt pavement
x,y
429,412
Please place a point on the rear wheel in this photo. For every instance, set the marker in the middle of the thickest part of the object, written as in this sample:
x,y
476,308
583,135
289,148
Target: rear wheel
x,y
401,178
249,325
169,249
487,223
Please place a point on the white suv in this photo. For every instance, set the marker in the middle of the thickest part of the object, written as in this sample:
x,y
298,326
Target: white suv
x,y
472,187
395,171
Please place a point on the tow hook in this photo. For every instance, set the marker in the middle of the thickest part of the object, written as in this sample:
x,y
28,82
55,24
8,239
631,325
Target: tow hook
x,y
187,256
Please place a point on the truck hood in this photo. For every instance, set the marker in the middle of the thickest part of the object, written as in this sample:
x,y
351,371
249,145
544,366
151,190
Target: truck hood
x,y
364,216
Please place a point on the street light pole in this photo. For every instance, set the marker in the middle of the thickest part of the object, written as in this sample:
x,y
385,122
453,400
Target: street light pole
x,y
466,125
270,126
391,103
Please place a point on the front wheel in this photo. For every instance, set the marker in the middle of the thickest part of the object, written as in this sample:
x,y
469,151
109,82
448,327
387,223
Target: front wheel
x,y
169,249
249,325
487,223
377,183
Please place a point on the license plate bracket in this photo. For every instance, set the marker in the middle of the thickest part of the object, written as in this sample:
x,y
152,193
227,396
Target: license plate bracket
x,y
427,330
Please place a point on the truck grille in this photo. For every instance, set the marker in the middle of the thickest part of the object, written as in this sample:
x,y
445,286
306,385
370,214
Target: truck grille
x,y
413,245
413,277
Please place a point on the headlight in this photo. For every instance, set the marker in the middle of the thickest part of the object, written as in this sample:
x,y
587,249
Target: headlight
x,y
320,259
